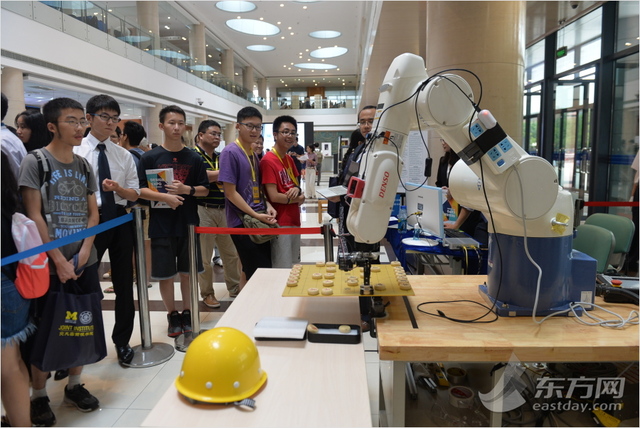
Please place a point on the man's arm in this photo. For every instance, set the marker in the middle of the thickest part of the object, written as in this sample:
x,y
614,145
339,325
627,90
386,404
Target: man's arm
x,y
93,219
32,201
236,199
174,201
213,176
109,185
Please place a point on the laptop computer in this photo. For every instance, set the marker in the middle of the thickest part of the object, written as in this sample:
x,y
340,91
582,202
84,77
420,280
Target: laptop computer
x,y
431,201
330,192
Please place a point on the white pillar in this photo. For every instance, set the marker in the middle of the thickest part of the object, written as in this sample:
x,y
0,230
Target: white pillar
x,y
13,89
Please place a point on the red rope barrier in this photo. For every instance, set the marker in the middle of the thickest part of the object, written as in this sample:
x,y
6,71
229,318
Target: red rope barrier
x,y
610,204
260,231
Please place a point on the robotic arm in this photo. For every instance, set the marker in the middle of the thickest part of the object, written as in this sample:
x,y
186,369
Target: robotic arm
x,y
530,215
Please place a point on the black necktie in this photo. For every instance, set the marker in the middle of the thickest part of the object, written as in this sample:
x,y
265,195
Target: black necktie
x,y
108,208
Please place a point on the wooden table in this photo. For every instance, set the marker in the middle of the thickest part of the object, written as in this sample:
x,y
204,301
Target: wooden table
x,y
558,339
308,385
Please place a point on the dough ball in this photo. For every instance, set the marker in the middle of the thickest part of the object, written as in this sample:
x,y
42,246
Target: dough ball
x,y
344,329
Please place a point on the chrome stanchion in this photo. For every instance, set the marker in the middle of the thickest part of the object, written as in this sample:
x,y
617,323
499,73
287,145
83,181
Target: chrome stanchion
x,y
328,234
148,354
183,341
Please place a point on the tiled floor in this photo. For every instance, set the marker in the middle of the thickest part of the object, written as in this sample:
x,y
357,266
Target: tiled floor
x,y
128,395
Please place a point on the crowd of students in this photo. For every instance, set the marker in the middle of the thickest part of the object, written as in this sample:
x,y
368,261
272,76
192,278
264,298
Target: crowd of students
x,y
105,169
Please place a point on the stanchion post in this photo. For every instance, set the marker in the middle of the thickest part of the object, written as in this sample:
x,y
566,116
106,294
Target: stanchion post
x,y
148,354
183,341
327,233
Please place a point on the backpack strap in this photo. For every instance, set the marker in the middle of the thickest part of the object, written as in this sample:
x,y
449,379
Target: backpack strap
x,y
44,172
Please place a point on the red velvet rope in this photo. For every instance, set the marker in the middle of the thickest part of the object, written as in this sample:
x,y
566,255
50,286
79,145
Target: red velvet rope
x,y
610,204
260,231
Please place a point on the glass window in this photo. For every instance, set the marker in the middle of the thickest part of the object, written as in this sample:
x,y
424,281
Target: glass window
x,y
582,39
534,63
624,138
627,25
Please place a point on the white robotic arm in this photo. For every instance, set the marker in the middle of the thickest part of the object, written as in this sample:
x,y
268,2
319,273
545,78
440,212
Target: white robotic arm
x,y
530,215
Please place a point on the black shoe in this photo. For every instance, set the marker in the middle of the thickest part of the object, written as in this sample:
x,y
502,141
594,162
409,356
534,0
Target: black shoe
x,y
175,324
186,321
41,414
81,398
125,354
61,374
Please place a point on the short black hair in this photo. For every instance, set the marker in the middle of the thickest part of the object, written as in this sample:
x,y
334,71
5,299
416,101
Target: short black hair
x,y
171,109
53,109
5,105
206,124
134,132
284,119
247,112
369,107
118,131
102,102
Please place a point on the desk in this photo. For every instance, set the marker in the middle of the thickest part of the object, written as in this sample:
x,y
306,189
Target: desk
x,y
559,339
308,384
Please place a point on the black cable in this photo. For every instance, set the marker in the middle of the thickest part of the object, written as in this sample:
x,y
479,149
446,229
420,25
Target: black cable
x,y
443,315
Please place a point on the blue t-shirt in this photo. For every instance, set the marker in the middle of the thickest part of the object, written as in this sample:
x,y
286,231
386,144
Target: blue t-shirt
x,y
236,169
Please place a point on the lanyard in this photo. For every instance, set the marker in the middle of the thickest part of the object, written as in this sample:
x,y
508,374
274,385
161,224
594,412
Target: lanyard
x,y
253,171
207,158
286,168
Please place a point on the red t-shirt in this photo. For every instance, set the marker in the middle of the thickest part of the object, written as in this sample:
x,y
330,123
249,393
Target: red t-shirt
x,y
272,171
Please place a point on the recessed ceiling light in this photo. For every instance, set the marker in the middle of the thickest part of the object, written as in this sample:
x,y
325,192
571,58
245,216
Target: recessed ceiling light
x,y
315,65
236,6
261,48
167,27
325,34
253,27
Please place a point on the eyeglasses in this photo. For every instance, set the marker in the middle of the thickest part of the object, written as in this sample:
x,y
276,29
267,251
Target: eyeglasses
x,y
251,126
215,134
75,123
366,122
105,117
287,133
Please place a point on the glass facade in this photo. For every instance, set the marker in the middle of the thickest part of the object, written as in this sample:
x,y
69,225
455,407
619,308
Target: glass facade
x,y
581,103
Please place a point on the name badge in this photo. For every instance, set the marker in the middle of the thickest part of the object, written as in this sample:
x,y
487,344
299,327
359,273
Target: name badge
x,y
256,194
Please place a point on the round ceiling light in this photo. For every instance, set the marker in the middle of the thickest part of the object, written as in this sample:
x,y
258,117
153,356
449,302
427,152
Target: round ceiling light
x,y
316,66
325,34
260,48
328,52
253,27
236,6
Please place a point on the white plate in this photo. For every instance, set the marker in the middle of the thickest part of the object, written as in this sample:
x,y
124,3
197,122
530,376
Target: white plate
x,y
420,242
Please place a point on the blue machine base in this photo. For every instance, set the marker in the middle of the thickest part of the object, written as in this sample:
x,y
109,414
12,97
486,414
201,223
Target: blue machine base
x,y
506,310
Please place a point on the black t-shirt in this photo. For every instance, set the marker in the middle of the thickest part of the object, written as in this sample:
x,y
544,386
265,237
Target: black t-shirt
x,y
299,150
189,169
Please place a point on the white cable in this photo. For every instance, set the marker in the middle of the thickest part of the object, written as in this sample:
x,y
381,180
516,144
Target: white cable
x,y
526,250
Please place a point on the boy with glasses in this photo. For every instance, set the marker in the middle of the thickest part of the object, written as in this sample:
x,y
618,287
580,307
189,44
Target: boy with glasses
x,y
240,175
281,181
168,229
75,262
118,183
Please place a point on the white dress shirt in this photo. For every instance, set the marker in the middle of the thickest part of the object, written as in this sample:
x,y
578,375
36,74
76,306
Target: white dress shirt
x,y
13,147
123,169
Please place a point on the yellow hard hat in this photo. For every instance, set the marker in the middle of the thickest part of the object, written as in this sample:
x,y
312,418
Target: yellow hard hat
x,y
221,365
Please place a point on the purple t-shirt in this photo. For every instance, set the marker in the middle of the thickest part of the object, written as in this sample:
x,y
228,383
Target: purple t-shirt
x,y
235,169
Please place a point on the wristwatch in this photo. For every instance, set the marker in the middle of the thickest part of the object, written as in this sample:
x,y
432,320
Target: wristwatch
x,y
192,191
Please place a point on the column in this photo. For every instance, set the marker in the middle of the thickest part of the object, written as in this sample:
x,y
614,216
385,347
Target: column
x,y
229,133
487,38
197,44
13,89
227,64
148,19
154,134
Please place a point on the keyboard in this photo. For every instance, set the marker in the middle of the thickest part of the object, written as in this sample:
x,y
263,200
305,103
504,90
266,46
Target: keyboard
x,y
455,233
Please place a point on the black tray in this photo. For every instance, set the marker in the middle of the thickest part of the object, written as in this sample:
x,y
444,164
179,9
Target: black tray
x,y
328,333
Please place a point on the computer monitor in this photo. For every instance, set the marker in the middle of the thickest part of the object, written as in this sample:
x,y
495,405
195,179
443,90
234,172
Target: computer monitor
x,y
428,200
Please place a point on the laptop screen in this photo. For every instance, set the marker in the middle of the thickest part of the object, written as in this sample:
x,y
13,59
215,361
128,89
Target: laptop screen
x,y
427,199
